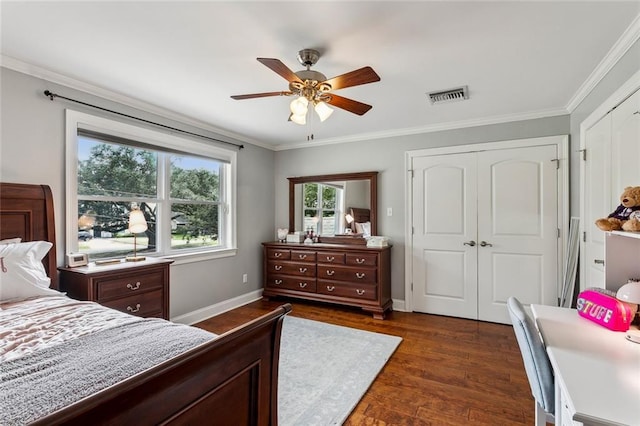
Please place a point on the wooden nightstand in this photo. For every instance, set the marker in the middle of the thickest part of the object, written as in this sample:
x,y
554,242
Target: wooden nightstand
x,y
138,288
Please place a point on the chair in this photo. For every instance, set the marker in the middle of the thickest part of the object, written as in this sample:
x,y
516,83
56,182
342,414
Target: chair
x,y
536,362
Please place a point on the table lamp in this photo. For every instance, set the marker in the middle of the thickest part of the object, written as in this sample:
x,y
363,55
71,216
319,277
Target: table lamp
x,y
630,293
137,224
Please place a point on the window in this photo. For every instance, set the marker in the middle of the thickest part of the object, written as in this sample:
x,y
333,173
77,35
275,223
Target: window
x,y
184,188
322,201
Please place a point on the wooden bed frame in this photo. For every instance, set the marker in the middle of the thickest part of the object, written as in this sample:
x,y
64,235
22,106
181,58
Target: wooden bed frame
x,y
230,380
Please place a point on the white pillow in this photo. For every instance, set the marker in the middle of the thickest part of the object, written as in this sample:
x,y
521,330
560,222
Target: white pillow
x,y
364,228
11,241
22,273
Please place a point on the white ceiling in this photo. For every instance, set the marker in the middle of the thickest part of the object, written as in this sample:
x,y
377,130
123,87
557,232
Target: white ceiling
x,y
520,59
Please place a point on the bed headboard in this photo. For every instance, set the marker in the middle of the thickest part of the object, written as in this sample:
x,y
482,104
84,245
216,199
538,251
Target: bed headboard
x,y
26,211
359,216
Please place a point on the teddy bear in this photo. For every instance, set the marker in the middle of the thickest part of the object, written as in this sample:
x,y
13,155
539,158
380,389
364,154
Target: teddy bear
x,y
625,213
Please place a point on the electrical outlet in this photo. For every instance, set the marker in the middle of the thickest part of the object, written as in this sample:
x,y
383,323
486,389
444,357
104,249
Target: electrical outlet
x,y
245,278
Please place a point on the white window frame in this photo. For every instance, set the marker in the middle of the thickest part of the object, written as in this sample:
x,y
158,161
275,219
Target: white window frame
x,y
162,141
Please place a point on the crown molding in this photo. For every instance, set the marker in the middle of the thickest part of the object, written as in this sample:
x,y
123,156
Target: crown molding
x,y
63,80
439,127
624,43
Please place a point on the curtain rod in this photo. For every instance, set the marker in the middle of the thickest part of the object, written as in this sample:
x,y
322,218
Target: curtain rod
x,y
51,96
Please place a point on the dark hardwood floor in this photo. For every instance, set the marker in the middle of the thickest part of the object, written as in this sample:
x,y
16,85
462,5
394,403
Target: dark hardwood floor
x,y
446,371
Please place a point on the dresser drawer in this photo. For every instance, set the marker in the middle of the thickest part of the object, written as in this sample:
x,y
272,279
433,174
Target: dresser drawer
x,y
292,268
365,291
143,304
109,288
345,273
303,256
280,254
331,257
362,259
292,283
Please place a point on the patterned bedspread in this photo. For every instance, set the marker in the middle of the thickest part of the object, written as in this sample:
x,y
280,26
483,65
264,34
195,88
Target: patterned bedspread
x,y
55,351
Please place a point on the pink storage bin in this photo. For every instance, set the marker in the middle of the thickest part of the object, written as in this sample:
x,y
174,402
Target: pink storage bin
x,y
601,307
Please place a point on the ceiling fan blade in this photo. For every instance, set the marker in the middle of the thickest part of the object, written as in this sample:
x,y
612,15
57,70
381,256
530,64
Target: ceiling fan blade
x,y
280,68
348,104
354,78
260,95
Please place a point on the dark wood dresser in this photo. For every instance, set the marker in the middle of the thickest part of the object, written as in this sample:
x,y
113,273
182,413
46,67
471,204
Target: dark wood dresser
x,y
138,288
353,275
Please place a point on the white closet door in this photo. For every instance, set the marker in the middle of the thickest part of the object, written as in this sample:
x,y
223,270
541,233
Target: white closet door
x,y
518,221
444,219
597,198
625,146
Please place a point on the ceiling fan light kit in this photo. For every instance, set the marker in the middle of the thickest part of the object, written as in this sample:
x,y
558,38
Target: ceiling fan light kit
x,y
313,87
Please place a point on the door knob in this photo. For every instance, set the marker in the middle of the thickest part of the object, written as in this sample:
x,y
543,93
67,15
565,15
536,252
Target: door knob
x,y
485,244
470,243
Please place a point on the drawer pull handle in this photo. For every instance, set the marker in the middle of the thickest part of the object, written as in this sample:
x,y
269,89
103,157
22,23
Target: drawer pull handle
x,y
277,282
330,273
331,288
303,270
360,275
133,310
302,285
133,287
360,292
277,254
302,256
278,267
330,258
360,261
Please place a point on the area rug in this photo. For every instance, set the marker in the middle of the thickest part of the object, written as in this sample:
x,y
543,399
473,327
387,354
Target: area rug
x,y
325,370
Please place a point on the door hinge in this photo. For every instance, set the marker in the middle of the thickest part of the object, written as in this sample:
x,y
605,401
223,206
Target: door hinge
x,y
411,286
558,232
557,160
410,171
584,154
584,237
413,230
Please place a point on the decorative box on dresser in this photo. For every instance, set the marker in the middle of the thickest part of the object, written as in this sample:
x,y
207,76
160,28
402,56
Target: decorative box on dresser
x,y
353,275
138,288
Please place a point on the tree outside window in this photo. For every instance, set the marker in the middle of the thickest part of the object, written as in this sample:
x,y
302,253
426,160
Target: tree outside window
x,y
114,178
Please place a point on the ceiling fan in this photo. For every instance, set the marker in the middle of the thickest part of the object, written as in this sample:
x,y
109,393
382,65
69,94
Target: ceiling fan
x,y
313,87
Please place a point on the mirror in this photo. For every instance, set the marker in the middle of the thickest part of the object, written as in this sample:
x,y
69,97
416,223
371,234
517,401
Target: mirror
x,y
332,197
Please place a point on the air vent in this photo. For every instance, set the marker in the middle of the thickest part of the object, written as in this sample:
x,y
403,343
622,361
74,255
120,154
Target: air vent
x,y
451,95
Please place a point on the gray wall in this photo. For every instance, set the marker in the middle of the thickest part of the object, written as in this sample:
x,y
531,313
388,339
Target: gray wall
x,y
387,157
32,150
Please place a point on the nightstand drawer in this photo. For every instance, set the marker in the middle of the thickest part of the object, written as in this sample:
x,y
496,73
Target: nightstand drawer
x,y
129,285
143,304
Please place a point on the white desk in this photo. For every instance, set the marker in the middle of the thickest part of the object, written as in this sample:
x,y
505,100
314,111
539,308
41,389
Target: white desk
x,y
597,371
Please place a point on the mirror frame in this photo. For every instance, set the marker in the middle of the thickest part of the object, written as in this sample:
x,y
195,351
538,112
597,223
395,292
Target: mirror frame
x,y
372,177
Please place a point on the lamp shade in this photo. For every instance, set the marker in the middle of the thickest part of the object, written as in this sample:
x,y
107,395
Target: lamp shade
x,y
299,119
137,222
323,110
630,292
298,106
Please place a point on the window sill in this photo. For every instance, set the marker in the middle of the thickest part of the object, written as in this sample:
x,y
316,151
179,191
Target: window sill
x,y
180,259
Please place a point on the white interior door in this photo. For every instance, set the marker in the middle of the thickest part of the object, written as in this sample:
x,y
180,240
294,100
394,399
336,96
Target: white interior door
x,y
597,198
444,233
625,145
517,229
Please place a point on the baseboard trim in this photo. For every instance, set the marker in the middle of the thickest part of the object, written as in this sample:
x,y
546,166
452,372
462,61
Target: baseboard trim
x,y
202,314
398,305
